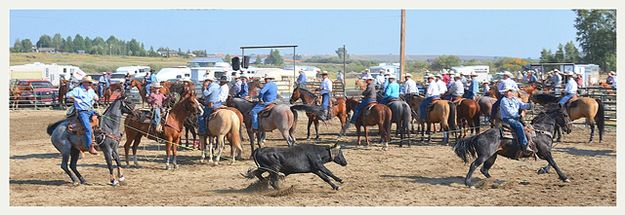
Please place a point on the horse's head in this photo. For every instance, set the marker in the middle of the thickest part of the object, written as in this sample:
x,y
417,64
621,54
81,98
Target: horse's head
x,y
192,105
295,95
351,104
560,115
127,106
337,155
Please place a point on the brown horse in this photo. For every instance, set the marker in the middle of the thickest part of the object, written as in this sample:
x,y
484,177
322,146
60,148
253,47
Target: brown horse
x,y
172,128
254,86
108,92
63,89
441,111
222,123
360,84
375,114
468,115
339,109
141,87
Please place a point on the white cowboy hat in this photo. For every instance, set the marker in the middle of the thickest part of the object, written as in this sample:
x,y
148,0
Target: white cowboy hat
x,y
438,75
268,77
508,73
324,73
458,75
367,77
556,70
408,75
508,88
429,76
393,77
612,73
87,79
569,73
156,85
472,74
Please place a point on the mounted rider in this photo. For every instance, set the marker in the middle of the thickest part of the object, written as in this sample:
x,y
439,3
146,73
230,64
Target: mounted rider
x,y
432,92
155,100
379,80
210,93
530,77
474,87
486,88
391,91
266,96
103,83
84,97
368,96
325,89
570,90
505,83
410,86
301,79
224,89
244,90
509,109
149,79
456,89
442,86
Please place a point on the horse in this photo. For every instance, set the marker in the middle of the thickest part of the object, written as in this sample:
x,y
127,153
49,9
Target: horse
x,y
441,111
253,86
486,105
222,123
583,107
468,115
339,108
141,87
63,89
401,116
280,117
107,139
135,129
360,84
108,92
376,114
485,146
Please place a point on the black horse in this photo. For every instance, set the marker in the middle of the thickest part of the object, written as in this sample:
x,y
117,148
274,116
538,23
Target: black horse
x,y
489,144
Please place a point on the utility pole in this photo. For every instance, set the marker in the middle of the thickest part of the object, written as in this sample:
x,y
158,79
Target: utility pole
x,y
344,67
402,45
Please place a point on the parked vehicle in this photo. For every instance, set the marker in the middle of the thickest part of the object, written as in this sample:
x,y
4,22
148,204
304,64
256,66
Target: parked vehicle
x,y
34,91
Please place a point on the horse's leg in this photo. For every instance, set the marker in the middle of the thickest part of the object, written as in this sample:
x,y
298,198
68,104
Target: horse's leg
x,y
429,132
558,133
250,135
476,163
211,150
310,122
168,152
366,135
75,154
202,148
175,149
120,173
108,156
552,163
316,128
220,147
487,165
66,169
591,123
358,134
135,145
129,140
287,137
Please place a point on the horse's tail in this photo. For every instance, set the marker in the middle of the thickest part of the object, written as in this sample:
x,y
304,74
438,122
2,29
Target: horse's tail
x,y
388,117
52,126
451,120
293,127
235,132
406,117
600,118
465,148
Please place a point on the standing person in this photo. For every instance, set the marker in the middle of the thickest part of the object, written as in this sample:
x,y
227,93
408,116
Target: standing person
x,y
224,89
210,93
325,89
379,80
392,90
301,79
127,82
340,78
456,88
505,83
509,109
570,90
267,95
156,103
244,87
102,83
368,96
84,97
410,86
611,80
556,81
73,81
474,87
431,93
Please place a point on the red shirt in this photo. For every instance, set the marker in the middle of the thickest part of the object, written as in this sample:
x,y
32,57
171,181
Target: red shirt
x,y
446,79
156,100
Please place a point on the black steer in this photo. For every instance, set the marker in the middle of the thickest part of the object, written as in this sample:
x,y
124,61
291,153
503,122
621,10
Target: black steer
x,y
304,158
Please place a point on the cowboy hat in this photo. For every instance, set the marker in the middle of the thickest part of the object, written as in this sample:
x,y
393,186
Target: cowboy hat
x,y
438,75
508,88
508,73
87,79
408,75
391,77
458,75
156,85
472,74
268,77
367,77
612,73
323,73
569,73
430,76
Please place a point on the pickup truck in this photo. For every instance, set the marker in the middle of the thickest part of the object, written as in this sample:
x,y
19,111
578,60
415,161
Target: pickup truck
x,y
34,91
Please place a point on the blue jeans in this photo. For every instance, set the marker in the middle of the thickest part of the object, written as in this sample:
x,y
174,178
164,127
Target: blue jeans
x,y
255,110
518,129
359,108
424,105
565,99
325,101
202,119
157,116
385,100
85,117
101,89
147,89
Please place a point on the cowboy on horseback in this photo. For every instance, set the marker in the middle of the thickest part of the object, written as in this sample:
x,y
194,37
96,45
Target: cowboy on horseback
x,y
301,79
83,98
325,88
473,87
368,96
156,102
442,85
509,109
391,91
504,83
410,86
267,95
431,93
224,89
149,79
570,90
380,80
456,88
211,102
244,89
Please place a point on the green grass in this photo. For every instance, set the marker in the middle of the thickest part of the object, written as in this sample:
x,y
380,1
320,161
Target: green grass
x,y
96,63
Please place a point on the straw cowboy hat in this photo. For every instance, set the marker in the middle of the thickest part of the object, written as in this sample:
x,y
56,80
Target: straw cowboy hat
x,y
438,75
612,73
323,73
156,85
508,88
87,79
430,76
458,75
408,75
268,77
367,77
508,73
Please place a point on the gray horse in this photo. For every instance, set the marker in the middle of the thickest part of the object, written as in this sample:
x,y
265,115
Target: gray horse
x,y
107,138
281,117
401,117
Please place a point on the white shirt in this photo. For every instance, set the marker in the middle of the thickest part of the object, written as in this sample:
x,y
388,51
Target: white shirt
x,y
410,86
432,89
223,95
326,86
379,80
571,86
456,88
441,86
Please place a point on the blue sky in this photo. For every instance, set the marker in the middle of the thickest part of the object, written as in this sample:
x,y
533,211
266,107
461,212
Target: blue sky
x,y
517,33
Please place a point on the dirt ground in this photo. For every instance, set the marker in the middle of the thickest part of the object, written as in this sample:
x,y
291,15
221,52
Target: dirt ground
x,y
422,175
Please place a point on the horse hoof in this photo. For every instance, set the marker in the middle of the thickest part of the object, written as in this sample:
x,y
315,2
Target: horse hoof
x,y
122,179
201,161
567,180
176,166
541,171
75,183
114,182
167,167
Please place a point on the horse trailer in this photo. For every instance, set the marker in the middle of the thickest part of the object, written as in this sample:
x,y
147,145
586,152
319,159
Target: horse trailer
x,y
49,72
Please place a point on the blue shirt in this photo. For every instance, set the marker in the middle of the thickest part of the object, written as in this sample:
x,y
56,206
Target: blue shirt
x,y
211,94
507,83
392,90
151,79
301,79
325,86
509,107
474,87
244,90
268,93
83,98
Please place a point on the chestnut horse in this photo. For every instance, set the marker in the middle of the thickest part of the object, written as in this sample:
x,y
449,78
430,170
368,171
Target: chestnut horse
x,y
468,115
172,129
339,108
441,111
63,89
378,114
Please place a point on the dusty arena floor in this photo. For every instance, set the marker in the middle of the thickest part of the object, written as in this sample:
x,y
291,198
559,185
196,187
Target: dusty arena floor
x,y
424,174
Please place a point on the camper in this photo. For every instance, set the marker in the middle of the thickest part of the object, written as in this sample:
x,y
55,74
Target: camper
x,y
215,67
48,72
480,70
589,72
309,71
173,73
392,68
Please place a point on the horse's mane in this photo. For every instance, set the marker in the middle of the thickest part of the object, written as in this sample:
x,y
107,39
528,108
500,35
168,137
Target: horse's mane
x,y
307,91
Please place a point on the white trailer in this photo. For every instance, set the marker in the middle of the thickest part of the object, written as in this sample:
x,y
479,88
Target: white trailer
x,y
481,71
173,73
49,72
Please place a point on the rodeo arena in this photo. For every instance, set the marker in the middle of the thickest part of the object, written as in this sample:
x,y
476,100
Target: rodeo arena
x,y
228,134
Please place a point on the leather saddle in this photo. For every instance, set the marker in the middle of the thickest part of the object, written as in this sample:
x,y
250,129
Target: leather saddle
x,y
368,108
514,149
431,105
265,112
571,103
75,127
